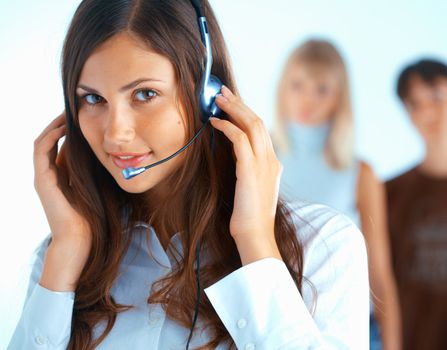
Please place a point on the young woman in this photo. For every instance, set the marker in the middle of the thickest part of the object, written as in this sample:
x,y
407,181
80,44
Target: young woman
x,y
198,251
314,139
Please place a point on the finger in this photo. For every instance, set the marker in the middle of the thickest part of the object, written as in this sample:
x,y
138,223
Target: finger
x,y
244,118
57,122
46,149
238,112
240,141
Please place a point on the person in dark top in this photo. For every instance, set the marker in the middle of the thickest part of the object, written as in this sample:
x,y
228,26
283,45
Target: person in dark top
x,y
417,212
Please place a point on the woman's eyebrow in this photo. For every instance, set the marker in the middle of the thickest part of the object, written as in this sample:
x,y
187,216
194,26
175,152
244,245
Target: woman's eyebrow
x,y
122,89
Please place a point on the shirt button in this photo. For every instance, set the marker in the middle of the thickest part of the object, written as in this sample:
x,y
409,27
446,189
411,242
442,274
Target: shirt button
x,y
250,346
39,340
241,323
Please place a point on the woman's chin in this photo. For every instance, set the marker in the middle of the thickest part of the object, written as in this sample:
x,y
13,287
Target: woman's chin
x,y
135,188
137,184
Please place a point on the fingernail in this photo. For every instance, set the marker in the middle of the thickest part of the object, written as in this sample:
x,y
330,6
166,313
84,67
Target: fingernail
x,y
214,118
222,98
226,91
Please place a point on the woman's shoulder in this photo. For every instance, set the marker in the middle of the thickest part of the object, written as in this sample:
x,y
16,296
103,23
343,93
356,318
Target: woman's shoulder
x,y
321,227
305,213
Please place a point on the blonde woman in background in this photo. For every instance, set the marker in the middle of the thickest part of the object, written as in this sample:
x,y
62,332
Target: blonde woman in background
x,y
313,137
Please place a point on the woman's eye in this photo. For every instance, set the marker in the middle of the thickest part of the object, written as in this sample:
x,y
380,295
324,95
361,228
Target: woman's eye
x,y
145,95
92,99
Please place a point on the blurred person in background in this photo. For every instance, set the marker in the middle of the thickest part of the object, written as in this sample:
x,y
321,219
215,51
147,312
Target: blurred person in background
x,y
417,211
313,136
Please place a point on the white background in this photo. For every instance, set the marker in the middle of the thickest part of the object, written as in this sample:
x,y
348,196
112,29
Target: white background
x,y
376,38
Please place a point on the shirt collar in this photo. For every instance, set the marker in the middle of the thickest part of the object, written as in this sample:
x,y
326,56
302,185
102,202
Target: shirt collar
x,y
155,249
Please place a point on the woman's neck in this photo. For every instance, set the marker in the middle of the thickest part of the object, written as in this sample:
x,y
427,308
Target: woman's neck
x,y
307,137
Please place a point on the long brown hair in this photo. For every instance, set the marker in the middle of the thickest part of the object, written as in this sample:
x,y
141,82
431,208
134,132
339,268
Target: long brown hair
x,y
323,55
200,202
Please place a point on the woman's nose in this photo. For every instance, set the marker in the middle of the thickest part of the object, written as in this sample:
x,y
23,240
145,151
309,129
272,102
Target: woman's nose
x,y
120,127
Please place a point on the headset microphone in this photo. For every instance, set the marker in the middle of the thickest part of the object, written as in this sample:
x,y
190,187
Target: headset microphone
x,y
132,172
209,89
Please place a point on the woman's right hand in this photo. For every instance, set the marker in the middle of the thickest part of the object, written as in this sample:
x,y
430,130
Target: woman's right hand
x,y
63,219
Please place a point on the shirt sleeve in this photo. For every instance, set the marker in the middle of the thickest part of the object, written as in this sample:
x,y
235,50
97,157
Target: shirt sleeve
x,y
45,321
262,308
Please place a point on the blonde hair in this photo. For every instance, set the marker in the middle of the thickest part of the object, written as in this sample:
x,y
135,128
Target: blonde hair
x,y
339,144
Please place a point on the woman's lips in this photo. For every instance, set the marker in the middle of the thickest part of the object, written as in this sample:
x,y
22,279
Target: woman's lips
x,y
129,163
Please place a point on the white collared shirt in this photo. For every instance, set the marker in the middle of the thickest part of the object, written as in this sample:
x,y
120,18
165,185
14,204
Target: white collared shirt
x,y
259,303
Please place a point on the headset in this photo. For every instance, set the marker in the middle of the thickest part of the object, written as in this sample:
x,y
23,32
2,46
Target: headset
x,y
209,88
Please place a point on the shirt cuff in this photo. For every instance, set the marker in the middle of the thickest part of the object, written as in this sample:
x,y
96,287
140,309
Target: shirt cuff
x,y
47,316
261,307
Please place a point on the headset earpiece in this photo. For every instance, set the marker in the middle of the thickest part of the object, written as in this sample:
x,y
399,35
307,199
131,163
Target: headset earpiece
x,y
208,94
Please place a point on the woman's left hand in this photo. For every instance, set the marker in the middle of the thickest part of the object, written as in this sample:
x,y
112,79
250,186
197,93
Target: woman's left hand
x,y
258,173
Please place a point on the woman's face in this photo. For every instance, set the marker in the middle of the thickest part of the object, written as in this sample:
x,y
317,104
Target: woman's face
x,y
310,96
127,105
